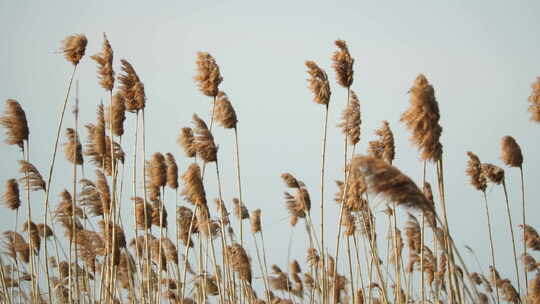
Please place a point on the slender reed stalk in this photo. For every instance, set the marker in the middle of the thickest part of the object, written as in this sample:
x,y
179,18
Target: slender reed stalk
x,y
491,241
512,234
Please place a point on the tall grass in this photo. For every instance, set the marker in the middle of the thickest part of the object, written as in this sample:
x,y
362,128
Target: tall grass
x,y
102,265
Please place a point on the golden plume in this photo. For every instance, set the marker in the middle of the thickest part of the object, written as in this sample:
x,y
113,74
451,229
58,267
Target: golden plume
x,y
74,47
208,75
14,120
351,120
422,119
343,64
105,61
318,83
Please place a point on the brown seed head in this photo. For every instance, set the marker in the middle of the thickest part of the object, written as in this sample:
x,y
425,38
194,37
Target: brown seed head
x,y
351,119
131,88
208,76
31,179
534,100
531,237
204,141
511,152
44,231
382,178
193,190
157,169
224,113
118,114
318,83
343,64
11,197
74,47
141,214
256,225
240,262
474,171
15,123
73,147
383,148
240,210
493,173
105,61
172,171
187,141
422,119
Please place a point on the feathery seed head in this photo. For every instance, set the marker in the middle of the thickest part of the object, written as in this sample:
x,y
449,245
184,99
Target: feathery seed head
x,y
318,83
74,47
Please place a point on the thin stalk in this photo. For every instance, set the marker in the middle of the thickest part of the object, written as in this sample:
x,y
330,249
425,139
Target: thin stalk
x,y
350,269
512,233
51,168
264,275
343,199
239,182
491,241
143,171
26,156
186,255
524,223
323,161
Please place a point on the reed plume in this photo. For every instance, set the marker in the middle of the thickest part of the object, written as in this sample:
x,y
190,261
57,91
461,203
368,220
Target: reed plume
x,y
351,119
531,239
104,192
143,219
534,290
96,145
184,216
11,197
33,232
422,119
15,124
343,64
240,210
204,141
208,75
186,141
493,173
105,61
131,88
224,113
383,148
74,47
16,247
73,147
240,262
44,230
157,171
118,114
256,225
318,83
386,180
534,100
172,171
193,190
32,179
511,152
474,171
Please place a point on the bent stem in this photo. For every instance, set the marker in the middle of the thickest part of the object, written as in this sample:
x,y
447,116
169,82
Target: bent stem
x,y
512,233
323,160
524,223
491,241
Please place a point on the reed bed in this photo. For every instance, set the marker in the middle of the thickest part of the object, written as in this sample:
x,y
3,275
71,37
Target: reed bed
x,y
85,248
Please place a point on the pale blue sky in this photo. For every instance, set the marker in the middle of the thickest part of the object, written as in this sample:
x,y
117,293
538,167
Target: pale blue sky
x,y
480,56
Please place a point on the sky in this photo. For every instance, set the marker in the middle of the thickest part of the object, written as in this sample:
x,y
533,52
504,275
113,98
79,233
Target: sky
x,y
480,56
